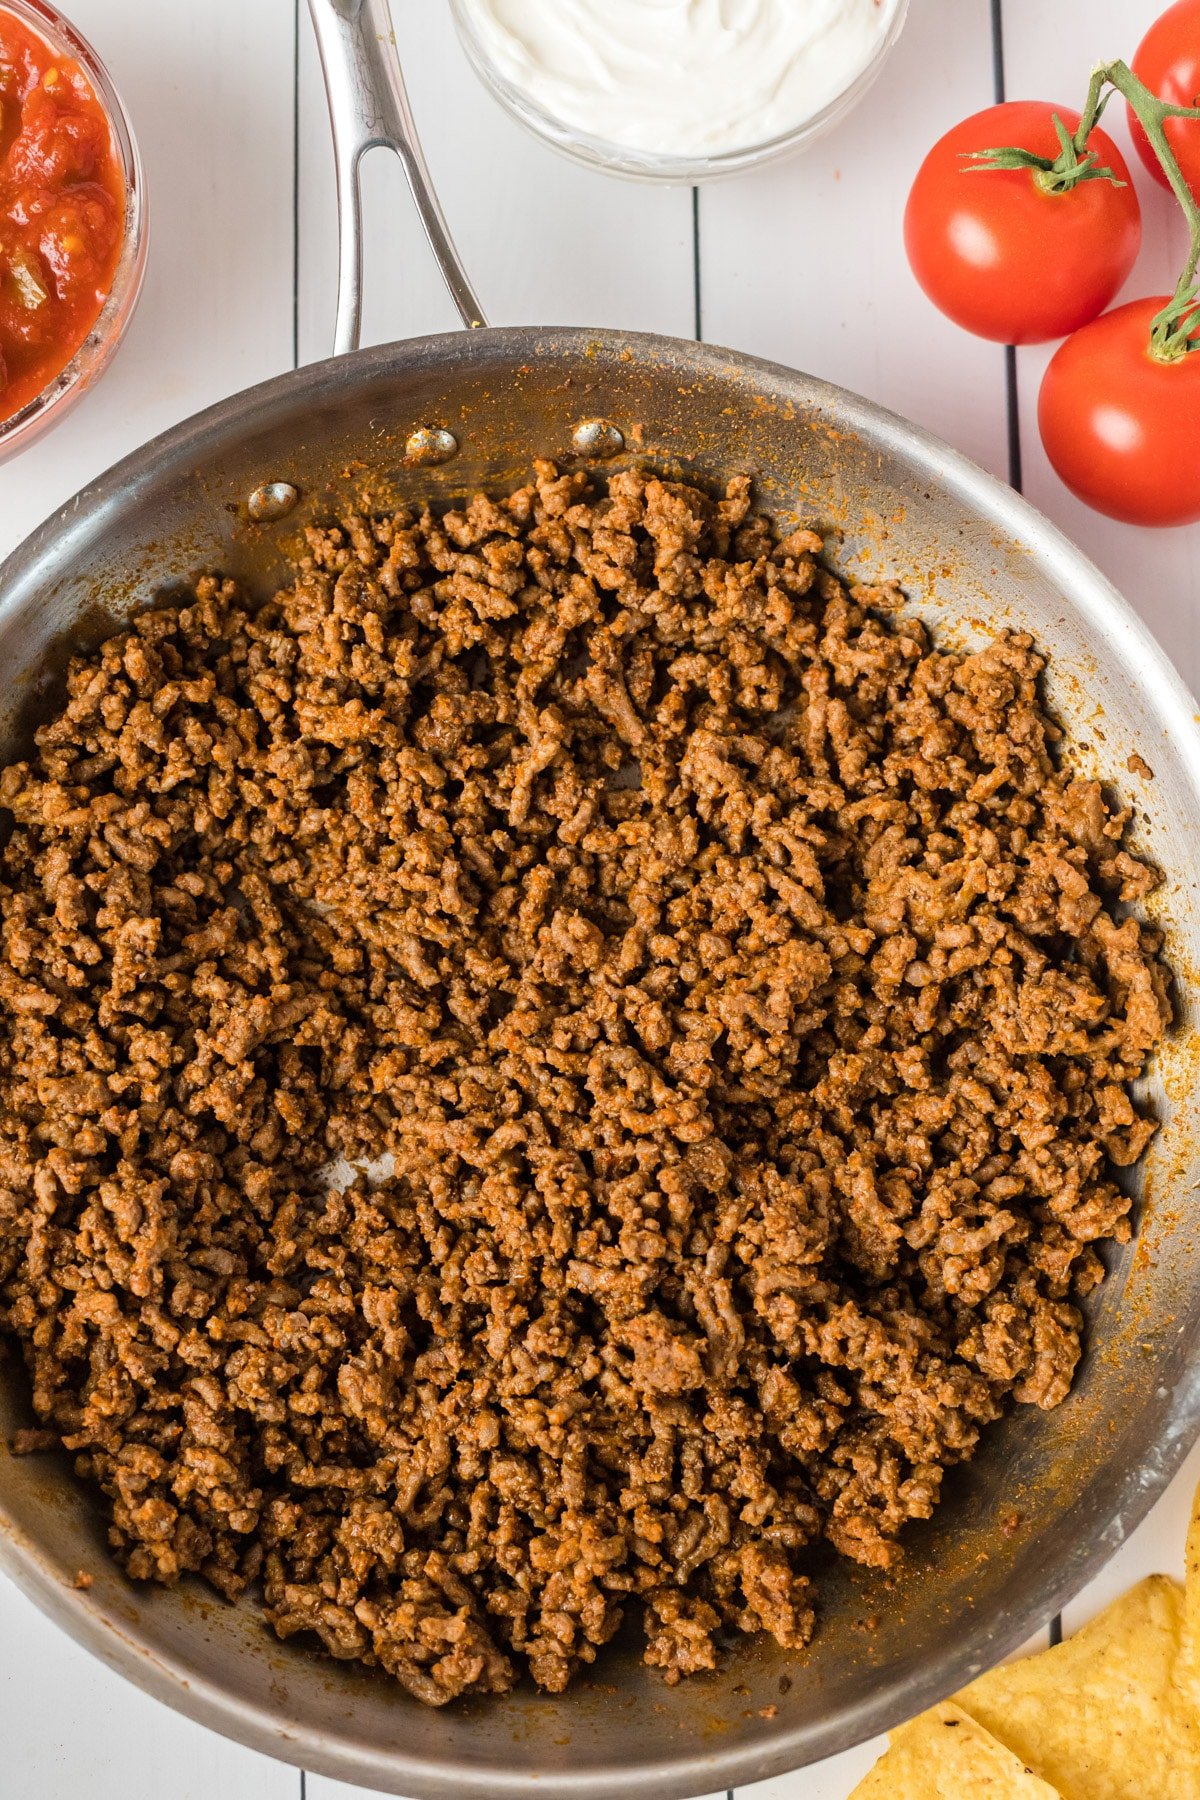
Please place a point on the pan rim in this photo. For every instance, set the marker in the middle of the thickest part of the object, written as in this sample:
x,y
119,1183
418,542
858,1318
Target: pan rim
x,y
1085,591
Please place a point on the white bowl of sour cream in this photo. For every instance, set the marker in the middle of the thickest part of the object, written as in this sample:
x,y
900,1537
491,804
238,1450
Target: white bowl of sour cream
x,y
678,90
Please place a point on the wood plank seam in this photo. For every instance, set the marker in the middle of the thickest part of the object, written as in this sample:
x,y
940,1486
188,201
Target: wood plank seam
x,y
295,184
1011,396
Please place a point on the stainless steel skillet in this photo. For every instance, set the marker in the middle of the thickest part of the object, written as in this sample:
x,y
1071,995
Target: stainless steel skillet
x,y
1051,1495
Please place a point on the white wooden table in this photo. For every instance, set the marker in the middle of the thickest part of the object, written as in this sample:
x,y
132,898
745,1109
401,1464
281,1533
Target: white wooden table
x,y
802,263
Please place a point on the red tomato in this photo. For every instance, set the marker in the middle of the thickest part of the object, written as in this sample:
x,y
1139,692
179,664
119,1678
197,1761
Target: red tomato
x,y
1121,428
1168,61
1001,256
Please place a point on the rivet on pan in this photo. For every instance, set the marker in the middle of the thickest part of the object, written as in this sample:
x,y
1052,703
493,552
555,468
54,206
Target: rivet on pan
x,y
273,500
598,437
430,444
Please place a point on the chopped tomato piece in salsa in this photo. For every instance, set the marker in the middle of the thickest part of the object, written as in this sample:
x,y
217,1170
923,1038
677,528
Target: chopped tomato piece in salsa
x,y
62,212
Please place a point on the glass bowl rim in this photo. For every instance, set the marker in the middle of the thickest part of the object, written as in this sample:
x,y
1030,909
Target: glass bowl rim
x,y
638,165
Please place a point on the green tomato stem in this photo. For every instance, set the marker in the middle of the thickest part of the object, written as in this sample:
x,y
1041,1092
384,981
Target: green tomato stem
x,y
1171,331
1060,174
1097,99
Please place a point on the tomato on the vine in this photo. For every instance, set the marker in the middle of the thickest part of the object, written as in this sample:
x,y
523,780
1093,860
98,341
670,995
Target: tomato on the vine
x,y
1120,426
1000,252
1168,61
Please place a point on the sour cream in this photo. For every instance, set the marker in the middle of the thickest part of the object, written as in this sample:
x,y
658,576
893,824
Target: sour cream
x,y
687,78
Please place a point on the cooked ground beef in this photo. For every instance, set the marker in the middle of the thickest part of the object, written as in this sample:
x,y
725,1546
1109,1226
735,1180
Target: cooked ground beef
x,y
713,996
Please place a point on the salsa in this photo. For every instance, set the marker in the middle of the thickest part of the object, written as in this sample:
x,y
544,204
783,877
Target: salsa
x,y
62,212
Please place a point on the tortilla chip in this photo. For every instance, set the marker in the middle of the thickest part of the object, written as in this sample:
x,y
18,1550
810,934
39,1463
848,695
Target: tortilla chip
x,y
1109,1714
945,1755
1113,1713
1189,1660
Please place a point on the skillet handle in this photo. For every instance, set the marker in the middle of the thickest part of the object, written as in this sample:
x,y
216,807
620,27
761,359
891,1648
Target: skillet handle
x,y
368,108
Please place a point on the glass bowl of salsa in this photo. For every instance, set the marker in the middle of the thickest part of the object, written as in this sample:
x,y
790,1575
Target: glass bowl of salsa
x,y
72,219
